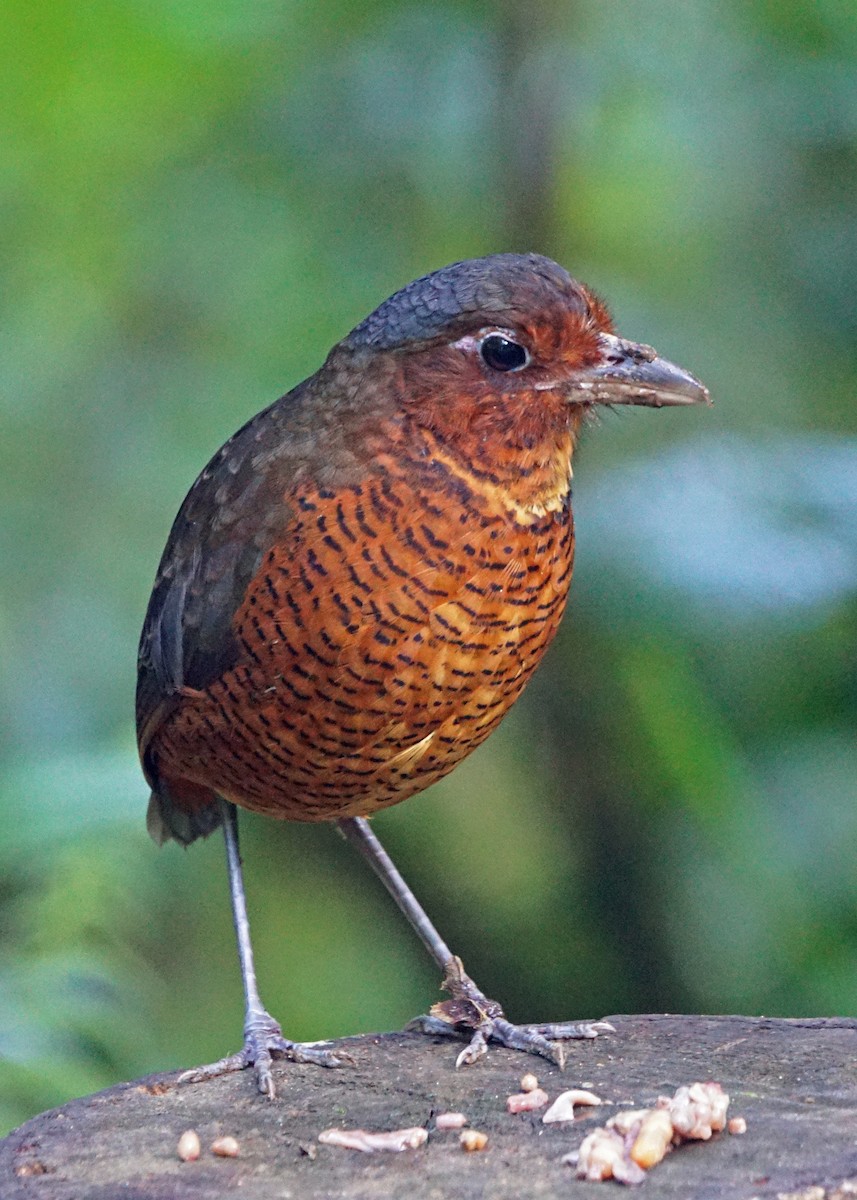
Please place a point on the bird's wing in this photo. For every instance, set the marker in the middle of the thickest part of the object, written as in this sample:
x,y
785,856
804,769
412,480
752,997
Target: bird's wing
x,y
235,510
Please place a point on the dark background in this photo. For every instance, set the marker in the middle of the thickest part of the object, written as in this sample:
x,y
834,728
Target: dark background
x,y
197,200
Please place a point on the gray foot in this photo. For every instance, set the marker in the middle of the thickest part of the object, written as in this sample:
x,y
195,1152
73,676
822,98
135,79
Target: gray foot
x,y
471,1013
263,1041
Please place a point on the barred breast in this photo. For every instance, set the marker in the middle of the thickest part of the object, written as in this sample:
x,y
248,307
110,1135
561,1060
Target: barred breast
x,y
381,640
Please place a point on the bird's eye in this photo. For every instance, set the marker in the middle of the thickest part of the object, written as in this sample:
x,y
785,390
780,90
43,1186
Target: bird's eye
x,y
502,354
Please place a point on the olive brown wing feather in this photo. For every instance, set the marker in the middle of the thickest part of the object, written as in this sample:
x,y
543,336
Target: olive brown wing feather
x,y
234,512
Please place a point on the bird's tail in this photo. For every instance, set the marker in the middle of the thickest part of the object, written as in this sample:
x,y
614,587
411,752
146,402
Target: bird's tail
x,y
185,819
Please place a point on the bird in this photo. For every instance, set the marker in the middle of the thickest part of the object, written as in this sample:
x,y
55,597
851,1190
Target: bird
x,y
364,577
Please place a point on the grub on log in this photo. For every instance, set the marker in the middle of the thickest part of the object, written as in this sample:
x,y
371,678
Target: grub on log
x,y
794,1081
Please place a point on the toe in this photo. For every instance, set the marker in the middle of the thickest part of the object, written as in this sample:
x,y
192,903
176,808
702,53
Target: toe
x,y
264,1076
530,1041
320,1055
223,1066
432,1025
573,1029
476,1049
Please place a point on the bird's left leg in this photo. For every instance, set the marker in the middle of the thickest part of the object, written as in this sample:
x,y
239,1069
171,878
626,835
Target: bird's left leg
x,y
469,1009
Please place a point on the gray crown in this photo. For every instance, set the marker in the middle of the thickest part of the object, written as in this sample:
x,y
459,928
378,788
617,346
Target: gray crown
x,y
492,285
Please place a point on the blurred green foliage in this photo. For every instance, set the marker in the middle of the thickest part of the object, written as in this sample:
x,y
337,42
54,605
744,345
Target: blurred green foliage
x,y
197,201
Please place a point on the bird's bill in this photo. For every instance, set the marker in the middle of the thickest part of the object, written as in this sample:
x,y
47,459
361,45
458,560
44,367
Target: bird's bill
x,y
631,373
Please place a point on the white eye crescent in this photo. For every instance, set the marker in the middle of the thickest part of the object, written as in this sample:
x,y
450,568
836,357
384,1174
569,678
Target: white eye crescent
x,y
499,350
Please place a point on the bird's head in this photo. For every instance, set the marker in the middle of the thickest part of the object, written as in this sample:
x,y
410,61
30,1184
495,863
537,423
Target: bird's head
x,y
513,323
499,359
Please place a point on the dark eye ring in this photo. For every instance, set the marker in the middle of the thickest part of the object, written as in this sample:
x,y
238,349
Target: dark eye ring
x,y
502,354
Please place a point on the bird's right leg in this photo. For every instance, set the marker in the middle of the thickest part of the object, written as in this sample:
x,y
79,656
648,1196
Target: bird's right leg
x,y
263,1037
470,1011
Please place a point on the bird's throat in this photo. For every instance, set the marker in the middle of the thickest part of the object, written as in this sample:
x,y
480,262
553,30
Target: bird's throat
x,y
523,470
527,491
